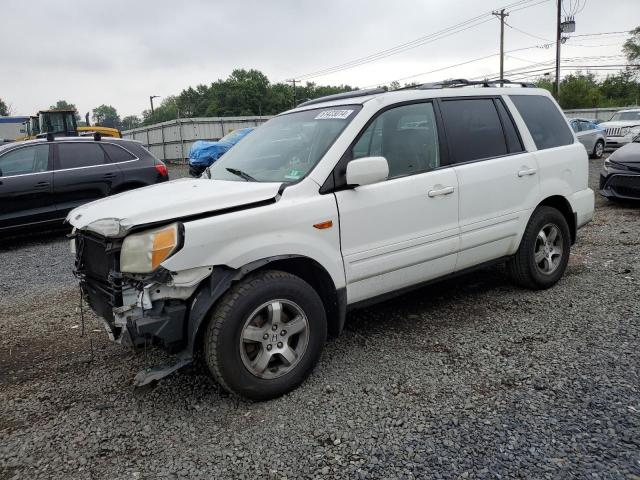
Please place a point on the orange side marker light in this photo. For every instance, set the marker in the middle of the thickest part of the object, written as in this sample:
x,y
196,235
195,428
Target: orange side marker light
x,y
323,225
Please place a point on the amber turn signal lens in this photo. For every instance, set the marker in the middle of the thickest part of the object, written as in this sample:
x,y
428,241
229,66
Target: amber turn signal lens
x,y
323,225
163,244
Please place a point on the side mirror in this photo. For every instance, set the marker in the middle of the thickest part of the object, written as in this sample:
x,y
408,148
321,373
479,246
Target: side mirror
x,y
367,170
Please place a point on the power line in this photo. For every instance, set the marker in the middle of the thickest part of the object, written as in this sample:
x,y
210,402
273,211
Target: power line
x,y
458,28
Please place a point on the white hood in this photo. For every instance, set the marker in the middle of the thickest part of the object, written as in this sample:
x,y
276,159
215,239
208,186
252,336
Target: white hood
x,y
171,200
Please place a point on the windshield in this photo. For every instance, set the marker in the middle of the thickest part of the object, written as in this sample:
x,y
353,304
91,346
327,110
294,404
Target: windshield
x,y
286,148
625,116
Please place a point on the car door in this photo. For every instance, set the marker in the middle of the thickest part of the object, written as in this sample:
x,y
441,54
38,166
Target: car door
x,y
403,230
498,187
588,135
26,179
82,174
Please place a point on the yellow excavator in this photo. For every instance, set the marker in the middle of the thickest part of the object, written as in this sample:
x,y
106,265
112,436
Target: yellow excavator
x,y
63,123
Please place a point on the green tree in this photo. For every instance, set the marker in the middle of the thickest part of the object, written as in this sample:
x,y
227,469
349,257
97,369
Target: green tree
x,y
631,47
4,109
130,121
580,91
106,116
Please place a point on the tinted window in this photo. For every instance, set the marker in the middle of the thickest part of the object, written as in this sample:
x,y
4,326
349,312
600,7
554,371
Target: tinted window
x,y
510,133
25,160
546,124
74,155
117,154
406,136
473,129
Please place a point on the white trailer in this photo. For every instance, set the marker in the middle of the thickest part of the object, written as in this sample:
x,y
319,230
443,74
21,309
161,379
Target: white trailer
x,y
12,127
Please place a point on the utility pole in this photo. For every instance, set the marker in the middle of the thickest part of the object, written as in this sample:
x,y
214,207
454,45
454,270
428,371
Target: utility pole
x,y
558,42
295,101
502,16
151,97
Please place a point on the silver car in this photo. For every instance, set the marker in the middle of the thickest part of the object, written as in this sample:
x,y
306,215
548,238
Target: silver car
x,y
592,136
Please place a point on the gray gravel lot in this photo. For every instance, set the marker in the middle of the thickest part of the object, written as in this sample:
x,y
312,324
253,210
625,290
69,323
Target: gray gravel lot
x,y
471,378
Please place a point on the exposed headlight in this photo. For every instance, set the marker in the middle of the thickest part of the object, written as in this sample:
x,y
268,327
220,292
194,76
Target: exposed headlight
x,y
107,227
634,130
624,131
144,252
607,164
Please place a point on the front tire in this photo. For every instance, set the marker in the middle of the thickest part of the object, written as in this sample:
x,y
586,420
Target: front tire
x,y
265,335
544,249
598,149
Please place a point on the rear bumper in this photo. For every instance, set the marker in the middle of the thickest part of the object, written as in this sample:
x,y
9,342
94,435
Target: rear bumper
x,y
582,203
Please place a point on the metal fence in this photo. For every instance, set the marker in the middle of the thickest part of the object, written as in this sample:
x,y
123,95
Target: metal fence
x,y
593,113
172,140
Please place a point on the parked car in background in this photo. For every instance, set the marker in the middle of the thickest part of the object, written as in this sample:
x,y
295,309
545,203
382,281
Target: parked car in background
x,y
41,181
340,202
202,153
592,136
620,177
622,127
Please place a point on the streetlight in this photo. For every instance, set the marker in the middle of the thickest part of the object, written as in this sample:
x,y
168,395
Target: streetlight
x,y
151,97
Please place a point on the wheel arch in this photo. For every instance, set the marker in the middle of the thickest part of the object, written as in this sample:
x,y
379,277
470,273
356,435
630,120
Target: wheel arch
x,y
561,204
223,278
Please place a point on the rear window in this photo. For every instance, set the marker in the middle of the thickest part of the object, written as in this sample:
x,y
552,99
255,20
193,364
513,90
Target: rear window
x,y
473,129
546,123
117,154
73,155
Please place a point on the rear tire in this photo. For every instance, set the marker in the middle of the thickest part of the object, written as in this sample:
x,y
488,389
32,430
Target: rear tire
x,y
598,149
265,335
544,249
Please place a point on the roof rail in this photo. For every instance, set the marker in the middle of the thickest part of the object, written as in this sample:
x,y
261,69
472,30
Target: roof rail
x,y
463,82
340,96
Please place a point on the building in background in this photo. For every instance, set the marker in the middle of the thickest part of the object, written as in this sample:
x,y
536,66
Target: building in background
x,y
12,127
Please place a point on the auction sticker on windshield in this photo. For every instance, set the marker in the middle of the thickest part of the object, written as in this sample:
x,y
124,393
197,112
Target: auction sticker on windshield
x,y
333,114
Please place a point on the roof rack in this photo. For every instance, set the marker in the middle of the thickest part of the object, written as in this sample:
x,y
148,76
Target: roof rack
x,y
463,82
341,96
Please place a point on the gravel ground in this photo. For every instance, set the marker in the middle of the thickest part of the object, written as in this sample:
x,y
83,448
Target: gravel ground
x,y
472,378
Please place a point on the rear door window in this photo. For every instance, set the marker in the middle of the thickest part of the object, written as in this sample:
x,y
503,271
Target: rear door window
x,y
25,160
473,129
74,155
545,122
117,154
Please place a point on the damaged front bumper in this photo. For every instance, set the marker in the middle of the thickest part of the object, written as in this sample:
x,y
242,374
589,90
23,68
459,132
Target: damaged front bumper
x,y
138,310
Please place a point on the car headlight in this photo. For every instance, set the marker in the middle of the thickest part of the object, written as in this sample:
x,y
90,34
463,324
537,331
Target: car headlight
x,y
607,164
624,131
634,130
107,227
143,252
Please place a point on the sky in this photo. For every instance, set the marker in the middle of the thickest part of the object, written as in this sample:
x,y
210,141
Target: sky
x,y
120,52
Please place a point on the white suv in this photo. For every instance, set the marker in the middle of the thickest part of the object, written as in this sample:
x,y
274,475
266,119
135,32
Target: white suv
x,y
342,201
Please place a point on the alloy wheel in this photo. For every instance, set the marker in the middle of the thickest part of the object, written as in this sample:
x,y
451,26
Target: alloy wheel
x,y
548,250
274,338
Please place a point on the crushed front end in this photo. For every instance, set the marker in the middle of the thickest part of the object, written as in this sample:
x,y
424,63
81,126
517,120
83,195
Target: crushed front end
x,y
137,309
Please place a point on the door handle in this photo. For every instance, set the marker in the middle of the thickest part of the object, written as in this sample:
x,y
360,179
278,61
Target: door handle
x,y
528,171
41,184
441,191
109,175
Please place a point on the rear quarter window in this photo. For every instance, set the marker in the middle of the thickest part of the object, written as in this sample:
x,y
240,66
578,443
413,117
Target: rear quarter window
x,y
117,154
545,122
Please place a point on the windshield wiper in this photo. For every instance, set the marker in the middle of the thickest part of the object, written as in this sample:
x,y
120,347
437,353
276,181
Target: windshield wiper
x,y
241,174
